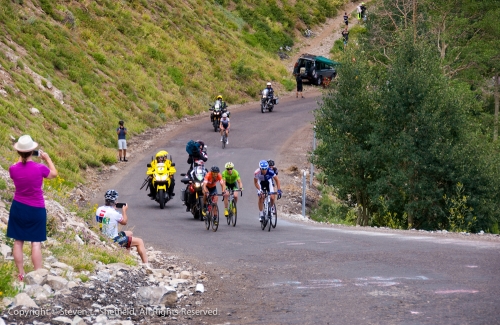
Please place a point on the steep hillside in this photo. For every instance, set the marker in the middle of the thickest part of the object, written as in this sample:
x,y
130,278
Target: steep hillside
x,y
71,69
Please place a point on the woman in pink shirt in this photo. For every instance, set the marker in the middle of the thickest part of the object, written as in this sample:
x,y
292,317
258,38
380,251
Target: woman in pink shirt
x,y
27,216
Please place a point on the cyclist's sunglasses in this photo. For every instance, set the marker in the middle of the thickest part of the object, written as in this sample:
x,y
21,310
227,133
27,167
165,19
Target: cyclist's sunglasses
x,y
229,169
263,169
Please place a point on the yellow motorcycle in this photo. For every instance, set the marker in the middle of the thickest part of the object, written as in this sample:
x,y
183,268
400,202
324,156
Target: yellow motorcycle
x,y
161,178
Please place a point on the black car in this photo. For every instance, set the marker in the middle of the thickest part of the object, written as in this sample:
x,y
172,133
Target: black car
x,y
315,68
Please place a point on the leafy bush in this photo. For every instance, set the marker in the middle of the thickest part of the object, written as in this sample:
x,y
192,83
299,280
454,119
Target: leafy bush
x,y
7,276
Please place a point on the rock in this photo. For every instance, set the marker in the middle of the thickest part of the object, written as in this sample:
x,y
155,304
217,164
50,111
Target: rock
x,y
36,277
113,167
152,295
101,319
79,240
77,320
5,250
61,320
34,111
200,288
169,299
22,299
185,275
56,282
71,285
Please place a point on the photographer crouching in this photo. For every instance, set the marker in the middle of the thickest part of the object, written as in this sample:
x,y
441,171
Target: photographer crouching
x,y
109,218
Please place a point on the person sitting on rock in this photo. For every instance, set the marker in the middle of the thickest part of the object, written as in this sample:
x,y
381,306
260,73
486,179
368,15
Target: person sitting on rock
x,y
109,217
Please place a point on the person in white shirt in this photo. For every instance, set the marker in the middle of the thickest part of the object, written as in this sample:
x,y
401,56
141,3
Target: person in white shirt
x,y
109,218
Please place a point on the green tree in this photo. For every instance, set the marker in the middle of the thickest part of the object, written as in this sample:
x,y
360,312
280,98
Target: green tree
x,y
343,125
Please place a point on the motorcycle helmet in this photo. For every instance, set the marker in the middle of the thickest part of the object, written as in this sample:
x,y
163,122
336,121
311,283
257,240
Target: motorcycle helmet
x,y
161,155
215,169
263,164
271,162
111,195
224,115
229,165
202,144
219,97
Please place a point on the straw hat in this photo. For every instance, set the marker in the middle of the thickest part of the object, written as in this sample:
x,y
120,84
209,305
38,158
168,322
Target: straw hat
x,y
25,144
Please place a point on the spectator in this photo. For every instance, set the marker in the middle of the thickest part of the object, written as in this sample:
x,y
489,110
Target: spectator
x,y
298,79
346,19
110,218
28,216
345,35
122,142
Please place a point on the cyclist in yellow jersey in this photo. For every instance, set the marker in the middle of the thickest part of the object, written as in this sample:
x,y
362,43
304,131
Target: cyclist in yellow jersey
x,y
230,176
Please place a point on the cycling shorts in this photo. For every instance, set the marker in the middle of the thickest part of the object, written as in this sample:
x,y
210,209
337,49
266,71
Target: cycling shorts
x,y
232,186
267,185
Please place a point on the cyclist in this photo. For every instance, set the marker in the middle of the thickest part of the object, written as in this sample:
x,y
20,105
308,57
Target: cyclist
x,y
230,177
224,127
161,157
263,181
210,186
272,166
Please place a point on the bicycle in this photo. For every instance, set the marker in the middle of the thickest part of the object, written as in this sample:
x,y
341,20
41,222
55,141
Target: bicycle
x,y
212,217
224,139
233,211
271,215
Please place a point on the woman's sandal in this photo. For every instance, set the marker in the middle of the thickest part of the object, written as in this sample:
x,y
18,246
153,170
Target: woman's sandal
x,y
21,277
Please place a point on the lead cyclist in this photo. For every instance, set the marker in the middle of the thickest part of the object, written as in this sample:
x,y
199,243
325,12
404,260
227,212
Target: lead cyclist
x,y
263,180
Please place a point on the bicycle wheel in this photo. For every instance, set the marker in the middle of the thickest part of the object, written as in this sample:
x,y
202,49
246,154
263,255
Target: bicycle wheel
x,y
268,217
208,219
274,216
234,213
224,139
215,217
263,224
230,216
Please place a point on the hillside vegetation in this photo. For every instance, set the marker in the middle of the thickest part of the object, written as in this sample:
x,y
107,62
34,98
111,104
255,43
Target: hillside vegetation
x,y
84,65
409,130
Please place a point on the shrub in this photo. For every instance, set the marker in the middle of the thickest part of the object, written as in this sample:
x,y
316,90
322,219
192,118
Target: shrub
x,y
7,271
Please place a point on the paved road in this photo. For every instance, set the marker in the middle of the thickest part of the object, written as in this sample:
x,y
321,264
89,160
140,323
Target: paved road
x,y
310,274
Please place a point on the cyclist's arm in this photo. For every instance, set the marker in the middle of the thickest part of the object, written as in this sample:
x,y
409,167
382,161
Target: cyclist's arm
x,y
240,183
228,125
277,182
222,185
256,183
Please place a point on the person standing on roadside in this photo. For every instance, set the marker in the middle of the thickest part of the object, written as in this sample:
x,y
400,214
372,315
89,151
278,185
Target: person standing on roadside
x,y
298,79
122,142
346,19
345,35
27,215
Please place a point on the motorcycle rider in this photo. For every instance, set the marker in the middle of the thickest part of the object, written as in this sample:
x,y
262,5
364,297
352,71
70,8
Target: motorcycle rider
x,y
224,127
192,161
200,155
230,177
160,157
263,180
270,89
222,105
210,186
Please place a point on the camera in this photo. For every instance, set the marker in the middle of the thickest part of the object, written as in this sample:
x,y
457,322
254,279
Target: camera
x,y
36,153
120,205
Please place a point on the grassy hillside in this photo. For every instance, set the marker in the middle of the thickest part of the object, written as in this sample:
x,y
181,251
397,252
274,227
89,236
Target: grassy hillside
x,y
87,64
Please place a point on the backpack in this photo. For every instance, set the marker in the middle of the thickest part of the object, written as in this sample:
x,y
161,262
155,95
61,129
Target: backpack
x,y
192,147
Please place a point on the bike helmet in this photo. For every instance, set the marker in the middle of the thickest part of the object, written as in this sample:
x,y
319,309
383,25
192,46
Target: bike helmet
x,y
215,169
229,165
111,195
219,97
263,164
224,115
271,162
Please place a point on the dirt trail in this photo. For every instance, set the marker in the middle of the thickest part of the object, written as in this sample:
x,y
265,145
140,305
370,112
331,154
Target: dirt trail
x,y
326,35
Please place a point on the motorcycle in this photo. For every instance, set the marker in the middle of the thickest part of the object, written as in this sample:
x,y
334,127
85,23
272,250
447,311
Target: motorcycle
x,y
162,177
267,101
192,195
217,109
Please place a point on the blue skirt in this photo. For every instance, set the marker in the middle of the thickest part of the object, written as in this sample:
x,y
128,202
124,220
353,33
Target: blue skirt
x,y
27,223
